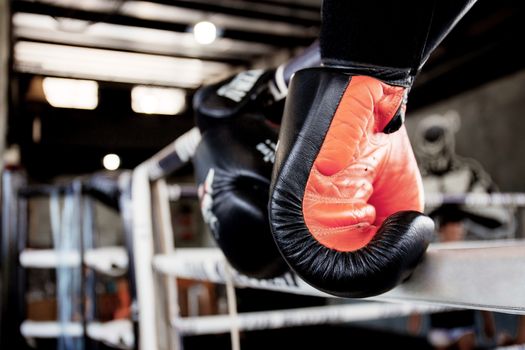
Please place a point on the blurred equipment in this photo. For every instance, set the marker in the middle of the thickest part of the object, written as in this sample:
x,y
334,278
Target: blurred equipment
x,y
77,263
446,173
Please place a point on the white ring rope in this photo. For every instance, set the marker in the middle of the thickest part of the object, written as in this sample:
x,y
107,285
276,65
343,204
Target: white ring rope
x,y
331,314
476,199
50,329
186,144
183,147
111,261
477,275
117,332
232,310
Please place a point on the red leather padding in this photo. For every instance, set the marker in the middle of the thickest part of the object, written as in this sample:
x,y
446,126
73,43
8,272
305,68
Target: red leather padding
x,y
361,175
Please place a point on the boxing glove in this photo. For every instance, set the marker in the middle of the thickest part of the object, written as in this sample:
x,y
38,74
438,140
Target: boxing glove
x,y
234,160
259,91
233,164
346,194
256,91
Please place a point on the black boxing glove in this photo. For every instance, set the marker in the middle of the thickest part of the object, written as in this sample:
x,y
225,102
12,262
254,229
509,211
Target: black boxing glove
x,y
233,164
234,160
256,91
259,91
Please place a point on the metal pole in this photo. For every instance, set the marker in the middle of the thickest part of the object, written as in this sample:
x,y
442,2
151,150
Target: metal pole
x,y
143,253
89,295
10,335
5,50
127,222
164,244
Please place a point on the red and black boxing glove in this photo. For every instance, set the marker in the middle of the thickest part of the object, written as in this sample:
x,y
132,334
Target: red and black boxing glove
x,y
346,195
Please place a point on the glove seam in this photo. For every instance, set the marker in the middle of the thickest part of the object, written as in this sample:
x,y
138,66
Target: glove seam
x,y
342,228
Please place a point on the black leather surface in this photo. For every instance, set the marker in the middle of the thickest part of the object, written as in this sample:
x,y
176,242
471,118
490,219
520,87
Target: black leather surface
x,y
398,245
240,193
389,40
211,108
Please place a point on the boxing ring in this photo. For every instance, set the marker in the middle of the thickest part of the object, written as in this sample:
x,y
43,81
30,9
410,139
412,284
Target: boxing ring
x,y
482,275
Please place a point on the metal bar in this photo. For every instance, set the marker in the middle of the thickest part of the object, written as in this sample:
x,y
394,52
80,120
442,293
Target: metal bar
x,y
19,283
331,314
477,275
78,225
143,254
231,297
89,296
9,335
126,211
163,236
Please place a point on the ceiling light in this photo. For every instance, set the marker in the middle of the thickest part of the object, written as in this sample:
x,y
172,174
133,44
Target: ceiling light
x,y
71,93
111,161
205,32
111,65
154,100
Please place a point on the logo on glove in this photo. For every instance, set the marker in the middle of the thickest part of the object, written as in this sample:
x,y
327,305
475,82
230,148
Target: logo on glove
x,y
239,86
267,148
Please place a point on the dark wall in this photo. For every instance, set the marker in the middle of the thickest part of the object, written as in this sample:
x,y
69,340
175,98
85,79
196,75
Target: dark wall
x,y
492,128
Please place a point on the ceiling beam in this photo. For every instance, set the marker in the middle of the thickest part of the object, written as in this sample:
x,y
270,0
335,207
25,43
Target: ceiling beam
x,y
290,5
107,65
255,10
91,16
241,61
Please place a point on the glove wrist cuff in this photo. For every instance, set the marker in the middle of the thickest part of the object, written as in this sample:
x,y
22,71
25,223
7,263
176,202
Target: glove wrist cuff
x,y
391,75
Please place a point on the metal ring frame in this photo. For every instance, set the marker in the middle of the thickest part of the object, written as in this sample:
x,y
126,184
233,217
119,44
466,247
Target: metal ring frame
x,y
477,275
16,259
